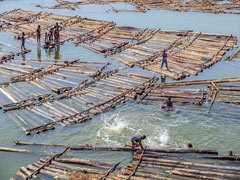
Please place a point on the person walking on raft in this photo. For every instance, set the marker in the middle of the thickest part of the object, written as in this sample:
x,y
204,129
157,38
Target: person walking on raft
x,y
164,59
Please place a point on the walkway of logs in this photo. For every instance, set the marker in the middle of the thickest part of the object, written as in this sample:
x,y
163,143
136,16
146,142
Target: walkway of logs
x,y
208,6
168,164
188,52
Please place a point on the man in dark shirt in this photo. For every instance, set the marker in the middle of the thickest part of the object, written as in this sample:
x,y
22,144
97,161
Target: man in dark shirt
x,y
169,104
23,42
136,142
39,35
57,33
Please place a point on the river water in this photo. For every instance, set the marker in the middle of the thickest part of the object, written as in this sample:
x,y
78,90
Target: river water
x,y
217,130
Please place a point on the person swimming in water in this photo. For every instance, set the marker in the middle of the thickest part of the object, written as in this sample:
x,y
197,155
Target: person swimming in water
x,y
169,104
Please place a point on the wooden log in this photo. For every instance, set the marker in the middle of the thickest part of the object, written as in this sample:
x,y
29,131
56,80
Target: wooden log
x,y
13,150
193,175
75,168
214,97
191,164
50,173
112,169
136,167
20,174
25,171
39,169
84,162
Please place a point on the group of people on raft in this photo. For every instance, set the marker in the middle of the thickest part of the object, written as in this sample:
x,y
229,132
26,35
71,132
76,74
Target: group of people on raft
x,y
51,37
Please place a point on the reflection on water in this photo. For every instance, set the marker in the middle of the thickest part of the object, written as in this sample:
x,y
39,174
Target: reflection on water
x,y
53,52
39,55
57,52
23,58
163,79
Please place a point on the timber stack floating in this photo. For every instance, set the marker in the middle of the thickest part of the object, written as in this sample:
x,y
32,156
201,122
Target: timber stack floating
x,y
210,6
63,93
188,52
151,163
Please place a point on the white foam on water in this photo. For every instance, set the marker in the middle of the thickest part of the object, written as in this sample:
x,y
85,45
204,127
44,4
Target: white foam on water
x,y
159,139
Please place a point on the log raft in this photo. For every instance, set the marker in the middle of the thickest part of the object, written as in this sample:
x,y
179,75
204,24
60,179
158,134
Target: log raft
x,y
231,7
168,165
188,52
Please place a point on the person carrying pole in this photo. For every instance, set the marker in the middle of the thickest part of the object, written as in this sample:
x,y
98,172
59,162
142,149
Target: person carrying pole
x,y
136,142
39,35
164,59
23,41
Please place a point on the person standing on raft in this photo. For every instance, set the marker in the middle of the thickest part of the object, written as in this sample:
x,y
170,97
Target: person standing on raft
x,y
136,142
23,41
39,35
164,59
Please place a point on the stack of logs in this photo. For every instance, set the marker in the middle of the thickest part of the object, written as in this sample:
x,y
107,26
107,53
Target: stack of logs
x,y
151,163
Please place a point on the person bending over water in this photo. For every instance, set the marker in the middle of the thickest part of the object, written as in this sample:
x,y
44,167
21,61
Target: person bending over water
x,y
136,142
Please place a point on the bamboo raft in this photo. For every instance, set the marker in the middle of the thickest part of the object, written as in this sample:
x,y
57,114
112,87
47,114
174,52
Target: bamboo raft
x,y
192,96
188,52
168,164
225,93
9,51
207,6
224,90
56,103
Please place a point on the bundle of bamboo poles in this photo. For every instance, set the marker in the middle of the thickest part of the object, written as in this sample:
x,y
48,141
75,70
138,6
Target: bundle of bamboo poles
x,y
150,163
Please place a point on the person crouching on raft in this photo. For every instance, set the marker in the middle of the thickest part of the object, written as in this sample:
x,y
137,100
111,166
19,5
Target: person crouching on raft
x,y
136,142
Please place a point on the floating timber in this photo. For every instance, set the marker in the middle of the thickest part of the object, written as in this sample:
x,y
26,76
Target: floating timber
x,y
188,52
67,105
192,96
168,164
209,6
225,92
